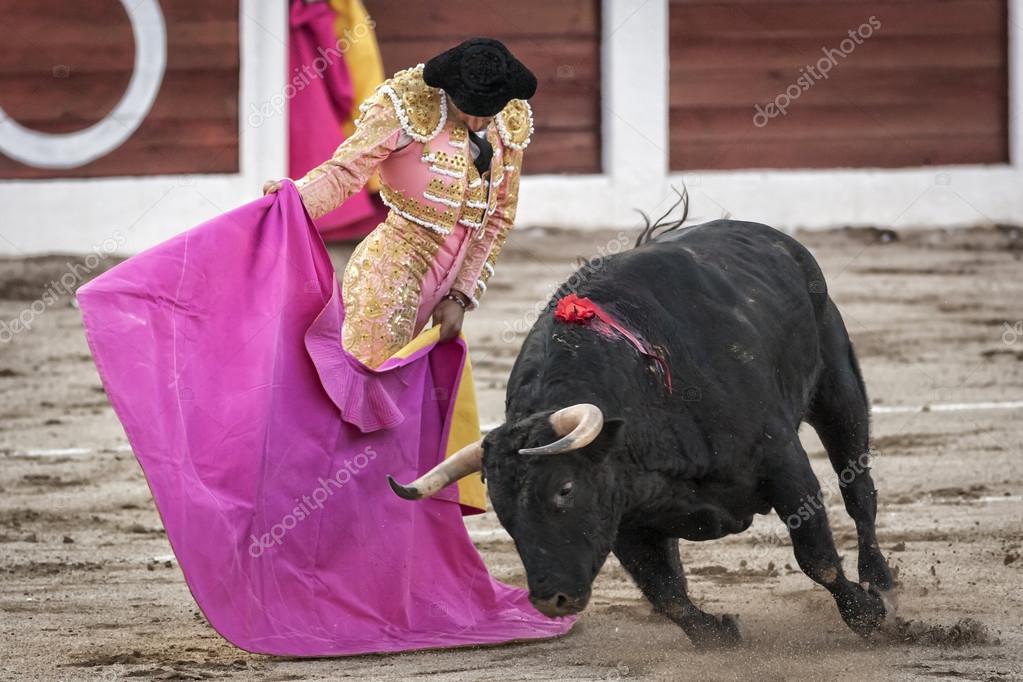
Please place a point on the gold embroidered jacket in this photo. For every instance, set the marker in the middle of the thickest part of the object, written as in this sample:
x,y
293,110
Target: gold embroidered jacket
x,y
431,182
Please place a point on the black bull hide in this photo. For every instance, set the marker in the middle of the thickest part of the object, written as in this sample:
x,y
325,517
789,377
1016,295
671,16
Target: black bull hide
x,y
755,347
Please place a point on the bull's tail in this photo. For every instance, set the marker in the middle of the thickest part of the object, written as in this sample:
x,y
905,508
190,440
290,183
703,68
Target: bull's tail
x,y
663,225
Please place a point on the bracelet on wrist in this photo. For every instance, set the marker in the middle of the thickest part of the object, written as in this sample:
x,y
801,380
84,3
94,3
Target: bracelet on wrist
x,y
458,298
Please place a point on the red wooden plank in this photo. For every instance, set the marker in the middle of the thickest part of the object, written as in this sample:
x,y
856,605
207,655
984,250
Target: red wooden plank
x,y
882,51
149,160
829,153
82,99
565,111
567,152
788,18
97,12
460,19
847,85
982,116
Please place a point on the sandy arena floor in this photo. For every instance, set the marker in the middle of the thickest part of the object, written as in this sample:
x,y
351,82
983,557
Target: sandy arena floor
x,y
89,588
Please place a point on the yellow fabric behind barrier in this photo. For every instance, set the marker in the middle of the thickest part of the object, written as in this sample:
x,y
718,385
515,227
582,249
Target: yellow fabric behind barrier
x,y
357,40
465,422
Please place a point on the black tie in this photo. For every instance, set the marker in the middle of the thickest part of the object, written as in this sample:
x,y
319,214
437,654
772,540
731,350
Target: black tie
x,y
482,161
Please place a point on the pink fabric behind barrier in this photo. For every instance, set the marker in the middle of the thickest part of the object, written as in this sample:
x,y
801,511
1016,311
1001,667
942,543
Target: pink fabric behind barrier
x,y
321,100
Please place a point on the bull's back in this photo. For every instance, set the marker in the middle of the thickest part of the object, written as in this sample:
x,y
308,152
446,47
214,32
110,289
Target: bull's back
x,y
735,303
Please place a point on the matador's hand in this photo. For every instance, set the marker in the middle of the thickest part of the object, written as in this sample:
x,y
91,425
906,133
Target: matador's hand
x,y
449,315
271,186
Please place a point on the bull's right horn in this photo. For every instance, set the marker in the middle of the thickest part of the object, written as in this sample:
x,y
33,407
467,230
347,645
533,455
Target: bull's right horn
x,y
578,426
466,461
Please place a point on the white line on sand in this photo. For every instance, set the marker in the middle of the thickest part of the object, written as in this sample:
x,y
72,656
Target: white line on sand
x,y
489,535
54,452
902,409
949,407
876,409
67,452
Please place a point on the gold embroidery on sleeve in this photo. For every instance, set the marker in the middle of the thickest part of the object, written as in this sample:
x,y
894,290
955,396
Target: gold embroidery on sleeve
x,y
422,110
515,123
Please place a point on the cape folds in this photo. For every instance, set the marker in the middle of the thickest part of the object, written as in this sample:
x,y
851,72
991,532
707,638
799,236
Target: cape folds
x,y
266,446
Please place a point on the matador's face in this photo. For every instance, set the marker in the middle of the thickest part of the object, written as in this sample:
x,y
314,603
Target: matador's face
x,y
474,123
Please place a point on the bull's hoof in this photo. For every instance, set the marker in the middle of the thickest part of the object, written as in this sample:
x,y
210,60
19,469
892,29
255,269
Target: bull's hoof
x,y
874,570
716,632
890,601
870,611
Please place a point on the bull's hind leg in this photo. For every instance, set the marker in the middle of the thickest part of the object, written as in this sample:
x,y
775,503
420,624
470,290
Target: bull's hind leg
x,y
653,562
792,489
840,413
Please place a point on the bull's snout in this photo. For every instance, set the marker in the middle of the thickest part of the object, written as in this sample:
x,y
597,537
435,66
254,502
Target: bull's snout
x,y
560,604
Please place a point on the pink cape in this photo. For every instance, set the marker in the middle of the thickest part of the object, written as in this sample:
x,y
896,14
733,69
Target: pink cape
x,y
266,447
322,102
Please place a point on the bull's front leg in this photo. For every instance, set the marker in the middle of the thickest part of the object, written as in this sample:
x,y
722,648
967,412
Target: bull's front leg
x,y
654,563
794,492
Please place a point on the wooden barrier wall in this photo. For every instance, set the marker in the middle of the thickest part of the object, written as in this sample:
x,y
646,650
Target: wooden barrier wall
x,y
928,86
65,65
559,41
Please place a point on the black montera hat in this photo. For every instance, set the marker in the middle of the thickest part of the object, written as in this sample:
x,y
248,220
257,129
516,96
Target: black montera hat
x,y
481,76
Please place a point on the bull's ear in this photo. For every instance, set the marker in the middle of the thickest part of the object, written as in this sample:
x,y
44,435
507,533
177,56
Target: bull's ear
x,y
610,437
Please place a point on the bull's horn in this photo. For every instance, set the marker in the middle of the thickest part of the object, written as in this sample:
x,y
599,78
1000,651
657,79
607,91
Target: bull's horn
x,y
578,426
466,461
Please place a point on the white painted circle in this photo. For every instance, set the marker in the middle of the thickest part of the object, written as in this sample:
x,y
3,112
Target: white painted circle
x,y
70,150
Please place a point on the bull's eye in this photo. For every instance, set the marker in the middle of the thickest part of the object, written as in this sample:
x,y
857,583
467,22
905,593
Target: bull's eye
x,y
564,497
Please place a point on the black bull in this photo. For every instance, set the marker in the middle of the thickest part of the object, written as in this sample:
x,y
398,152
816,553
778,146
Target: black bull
x,y
755,347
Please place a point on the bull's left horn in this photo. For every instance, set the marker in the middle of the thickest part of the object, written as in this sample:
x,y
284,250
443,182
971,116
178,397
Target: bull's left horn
x,y
578,426
466,461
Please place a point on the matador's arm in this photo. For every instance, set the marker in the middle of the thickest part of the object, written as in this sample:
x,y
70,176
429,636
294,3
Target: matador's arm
x,y
377,134
481,258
